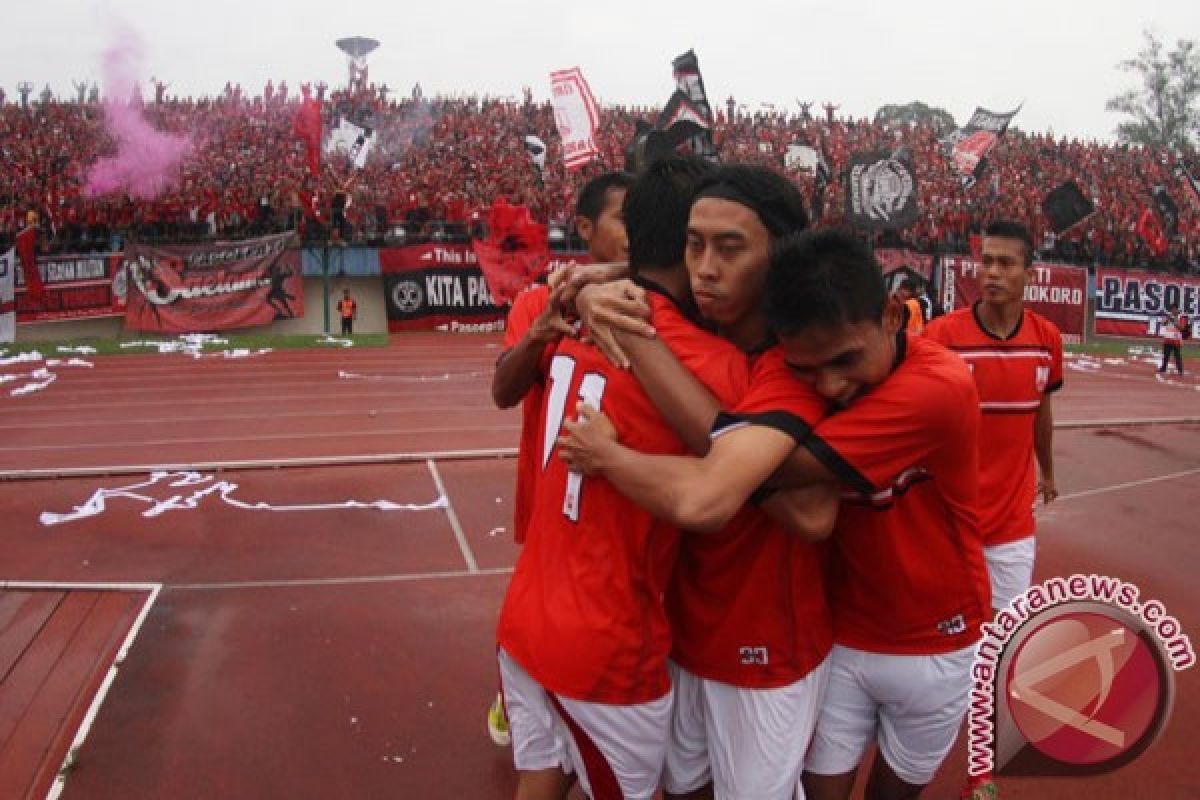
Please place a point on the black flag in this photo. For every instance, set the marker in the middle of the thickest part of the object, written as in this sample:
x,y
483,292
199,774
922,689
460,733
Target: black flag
x,y
687,117
1191,187
1167,210
881,191
1066,206
968,145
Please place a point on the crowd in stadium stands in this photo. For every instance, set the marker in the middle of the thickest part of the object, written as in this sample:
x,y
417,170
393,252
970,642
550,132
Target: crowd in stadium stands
x,y
438,163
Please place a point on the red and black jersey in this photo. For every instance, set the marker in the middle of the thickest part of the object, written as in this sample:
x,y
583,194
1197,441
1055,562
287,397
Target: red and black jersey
x,y
907,574
1013,375
747,604
584,611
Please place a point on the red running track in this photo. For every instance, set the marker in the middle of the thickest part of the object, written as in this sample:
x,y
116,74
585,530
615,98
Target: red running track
x,y
349,652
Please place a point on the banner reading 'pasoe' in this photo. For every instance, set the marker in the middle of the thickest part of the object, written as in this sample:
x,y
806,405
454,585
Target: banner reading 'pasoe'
x,y
432,287
1058,292
1131,302
214,287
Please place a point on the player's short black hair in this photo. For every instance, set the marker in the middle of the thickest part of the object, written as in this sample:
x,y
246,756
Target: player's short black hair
x,y
656,210
594,194
1008,229
822,278
776,200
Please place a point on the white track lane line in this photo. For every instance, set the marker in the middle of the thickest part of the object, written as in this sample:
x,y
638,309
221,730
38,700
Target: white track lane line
x,y
1116,487
463,545
264,437
402,577
85,726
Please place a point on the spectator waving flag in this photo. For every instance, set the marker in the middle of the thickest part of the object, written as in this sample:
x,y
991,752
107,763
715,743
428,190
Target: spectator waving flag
x,y
1168,210
969,145
537,152
1066,206
306,124
1150,229
881,191
27,252
1191,187
688,108
576,116
8,296
351,139
515,253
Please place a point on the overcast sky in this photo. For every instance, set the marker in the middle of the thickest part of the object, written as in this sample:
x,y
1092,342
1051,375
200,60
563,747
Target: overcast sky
x,y
1058,57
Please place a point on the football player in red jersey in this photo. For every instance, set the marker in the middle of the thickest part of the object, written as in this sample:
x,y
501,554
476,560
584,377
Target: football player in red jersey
x,y
908,584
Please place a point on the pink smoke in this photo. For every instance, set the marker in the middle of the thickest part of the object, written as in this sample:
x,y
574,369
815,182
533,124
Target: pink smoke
x,y
147,160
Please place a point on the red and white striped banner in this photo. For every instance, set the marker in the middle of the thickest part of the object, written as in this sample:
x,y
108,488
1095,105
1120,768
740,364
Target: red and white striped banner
x,y
576,116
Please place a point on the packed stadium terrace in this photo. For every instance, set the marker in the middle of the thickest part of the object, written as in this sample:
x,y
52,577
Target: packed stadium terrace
x,y
438,163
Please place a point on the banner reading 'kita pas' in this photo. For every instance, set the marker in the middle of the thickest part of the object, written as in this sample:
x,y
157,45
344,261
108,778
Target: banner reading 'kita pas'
x,y
212,287
439,287
1131,302
1058,292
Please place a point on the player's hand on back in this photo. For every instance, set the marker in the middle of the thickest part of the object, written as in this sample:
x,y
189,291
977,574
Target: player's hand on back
x,y
575,277
611,307
586,440
551,325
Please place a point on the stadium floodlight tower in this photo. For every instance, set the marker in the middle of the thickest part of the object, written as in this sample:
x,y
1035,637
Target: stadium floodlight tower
x,y
357,48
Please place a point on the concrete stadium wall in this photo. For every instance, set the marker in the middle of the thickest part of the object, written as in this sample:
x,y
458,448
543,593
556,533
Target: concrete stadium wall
x,y
367,291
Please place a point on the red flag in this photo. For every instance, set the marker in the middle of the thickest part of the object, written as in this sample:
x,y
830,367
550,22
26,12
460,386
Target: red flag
x,y
306,124
516,252
27,252
976,243
1151,230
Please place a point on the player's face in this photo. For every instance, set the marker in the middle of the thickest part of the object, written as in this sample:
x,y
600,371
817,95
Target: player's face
x,y
606,238
727,252
842,362
1004,272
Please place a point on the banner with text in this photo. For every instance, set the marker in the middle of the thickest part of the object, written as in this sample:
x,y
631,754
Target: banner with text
x,y
1058,292
76,286
213,287
1131,302
440,287
893,258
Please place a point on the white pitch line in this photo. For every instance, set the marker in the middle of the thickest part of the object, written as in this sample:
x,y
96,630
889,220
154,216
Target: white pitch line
x,y
256,464
463,545
403,577
265,437
85,726
1116,487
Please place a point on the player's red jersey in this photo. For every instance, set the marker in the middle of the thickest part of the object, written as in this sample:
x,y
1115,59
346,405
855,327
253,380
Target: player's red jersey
x,y
1012,376
527,307
584,611
907,574
747,604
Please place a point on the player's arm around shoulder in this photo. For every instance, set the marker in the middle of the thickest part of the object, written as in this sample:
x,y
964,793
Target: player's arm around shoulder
x,y
697,494
535,323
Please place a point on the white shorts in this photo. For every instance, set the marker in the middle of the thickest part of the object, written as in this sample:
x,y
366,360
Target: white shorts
x,y
916,703
1010,567
617,750
747,742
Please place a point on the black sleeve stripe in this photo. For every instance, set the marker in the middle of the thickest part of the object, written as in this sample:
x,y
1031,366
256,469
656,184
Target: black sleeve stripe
x,y
724,423
838,465
781,421
1054,387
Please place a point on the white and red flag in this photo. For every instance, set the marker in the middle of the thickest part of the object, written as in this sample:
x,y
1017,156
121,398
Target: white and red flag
x,y
576,115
